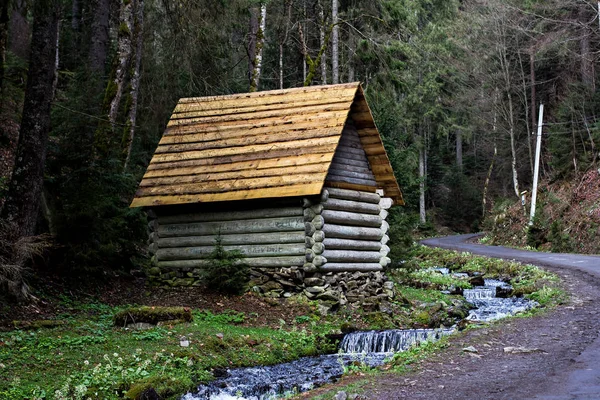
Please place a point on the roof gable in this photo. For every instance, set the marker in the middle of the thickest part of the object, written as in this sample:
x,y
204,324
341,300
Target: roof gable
x,y
259,145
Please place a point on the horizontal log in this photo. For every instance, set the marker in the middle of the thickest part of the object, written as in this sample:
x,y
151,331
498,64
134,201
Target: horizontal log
x,y
318,248
318,222
271,225
349,244
386,203
317,208
153,237
236,239
309,254
362,267
384,214
352,232
345,150
153,248
309,214
258,262
249,251
363,169
352,256
274,212
340,171
352,206
385,261
351,218
309,229
342,161
385,248
385,227
332,177
153,225
318,236
351,186
319,261
354,195
309,242
385,239
150,213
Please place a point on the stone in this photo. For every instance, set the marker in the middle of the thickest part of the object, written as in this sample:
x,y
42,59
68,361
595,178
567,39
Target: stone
x,y
329,295
140,326
287,283
388,285
477,281
470,349
315,289
270,286
340,396
522,350
314,282
504,291
351,285
183,282
310,268
309,295
287,295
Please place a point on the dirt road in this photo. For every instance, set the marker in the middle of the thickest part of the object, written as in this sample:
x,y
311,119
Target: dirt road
x,y
560,350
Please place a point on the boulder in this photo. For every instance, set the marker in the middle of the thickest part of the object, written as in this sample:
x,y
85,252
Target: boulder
x,y
329,295
314,281
477,280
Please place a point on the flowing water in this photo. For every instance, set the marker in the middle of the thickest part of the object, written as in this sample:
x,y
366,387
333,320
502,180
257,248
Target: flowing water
x,y
371,348
489,307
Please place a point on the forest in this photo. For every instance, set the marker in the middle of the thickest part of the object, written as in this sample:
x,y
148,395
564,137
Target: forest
x,y
87,87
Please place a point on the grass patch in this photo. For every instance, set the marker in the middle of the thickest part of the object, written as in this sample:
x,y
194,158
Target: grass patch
x,y
89,357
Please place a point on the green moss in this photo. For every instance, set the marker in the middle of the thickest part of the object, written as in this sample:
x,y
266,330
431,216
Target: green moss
x,y
152,315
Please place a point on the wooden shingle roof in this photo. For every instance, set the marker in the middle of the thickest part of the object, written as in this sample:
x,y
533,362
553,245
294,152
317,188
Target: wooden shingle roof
x,y
259,145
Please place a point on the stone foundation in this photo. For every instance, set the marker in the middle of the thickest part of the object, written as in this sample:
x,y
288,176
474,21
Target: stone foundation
x,y
336,287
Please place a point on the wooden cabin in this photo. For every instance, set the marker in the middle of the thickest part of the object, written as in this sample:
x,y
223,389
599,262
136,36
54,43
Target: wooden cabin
x,y
291,178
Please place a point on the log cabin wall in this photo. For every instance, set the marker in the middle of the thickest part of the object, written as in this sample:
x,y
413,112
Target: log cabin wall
x,y
346,231
266,237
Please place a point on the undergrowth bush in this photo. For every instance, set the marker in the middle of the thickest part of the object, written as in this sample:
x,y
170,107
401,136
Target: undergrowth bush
x,y
224,271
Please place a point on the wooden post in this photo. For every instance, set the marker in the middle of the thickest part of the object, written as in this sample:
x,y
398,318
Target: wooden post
x,y
538,150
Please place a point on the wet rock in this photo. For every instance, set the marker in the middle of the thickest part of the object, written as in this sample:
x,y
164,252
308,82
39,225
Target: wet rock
x,y
456,290
504,291
477,280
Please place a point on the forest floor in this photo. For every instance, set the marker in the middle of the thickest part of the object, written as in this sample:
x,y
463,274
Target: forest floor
x,y
553,355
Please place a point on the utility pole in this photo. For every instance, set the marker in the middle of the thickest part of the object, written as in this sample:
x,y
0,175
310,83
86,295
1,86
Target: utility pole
x,y
536,171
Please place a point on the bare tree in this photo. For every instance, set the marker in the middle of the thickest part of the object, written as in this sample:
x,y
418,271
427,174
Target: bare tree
x,y
258,24
335,37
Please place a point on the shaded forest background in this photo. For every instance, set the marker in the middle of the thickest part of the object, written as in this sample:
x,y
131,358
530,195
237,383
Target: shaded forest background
x,y
87,87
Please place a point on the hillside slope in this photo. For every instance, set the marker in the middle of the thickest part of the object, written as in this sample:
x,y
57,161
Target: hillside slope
x,y
567,219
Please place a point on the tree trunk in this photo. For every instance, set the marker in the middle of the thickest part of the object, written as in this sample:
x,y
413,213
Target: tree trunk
x,y
258,23
100,35
124,59
104,137
25,188
459,149
283,39
491,168
4,21
322,44
422,215
335,34
138,39
19,30
76,15
587,56
350,62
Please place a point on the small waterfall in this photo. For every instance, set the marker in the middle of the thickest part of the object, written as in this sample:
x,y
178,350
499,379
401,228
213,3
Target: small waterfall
x,y
488,307
479,293
389,341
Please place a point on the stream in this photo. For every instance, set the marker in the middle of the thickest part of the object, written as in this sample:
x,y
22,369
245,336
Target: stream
x,y
366,348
